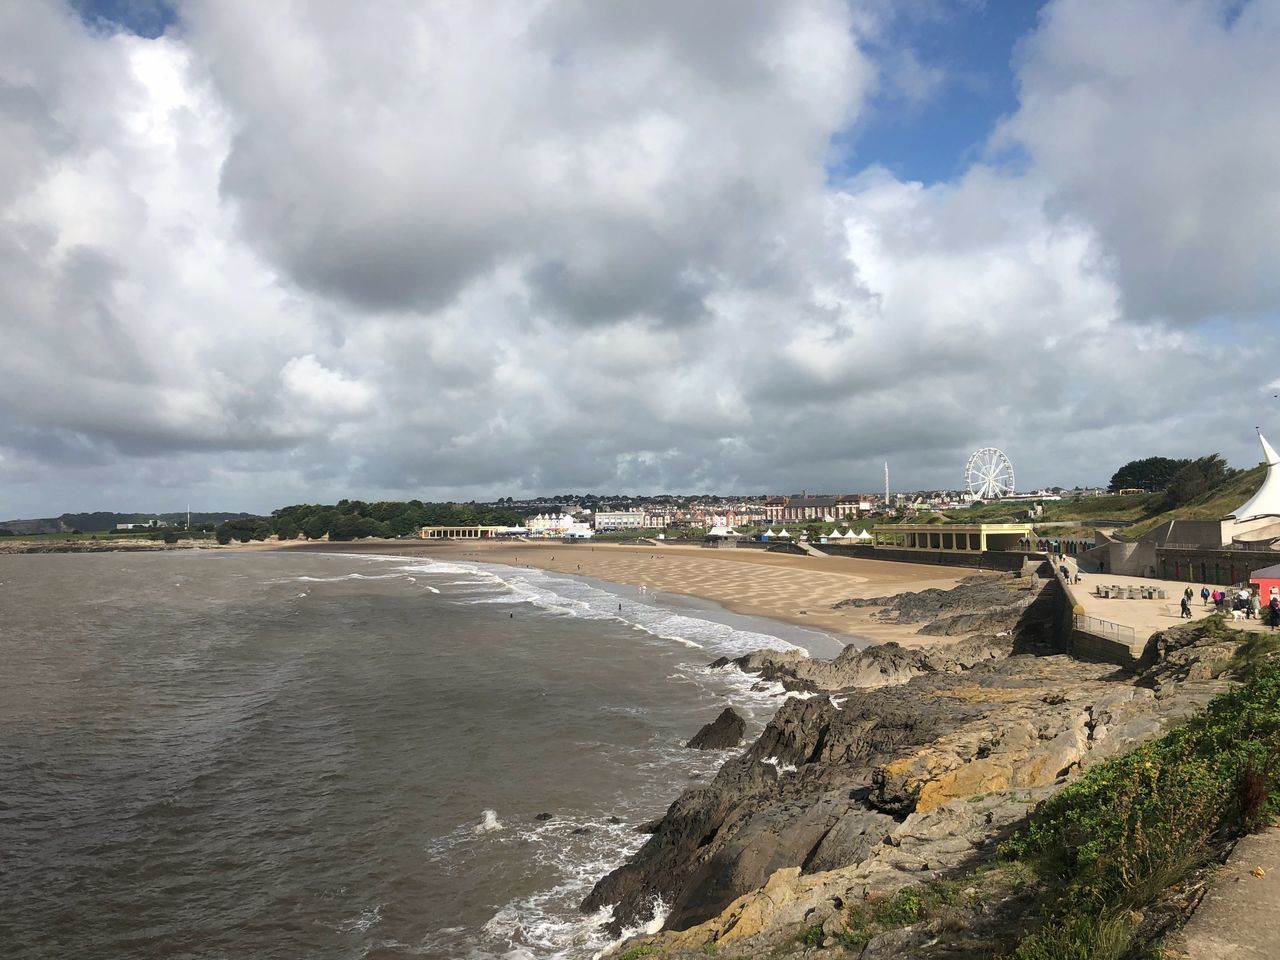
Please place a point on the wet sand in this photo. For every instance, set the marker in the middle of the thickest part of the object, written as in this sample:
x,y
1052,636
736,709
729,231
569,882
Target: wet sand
x,y
795,589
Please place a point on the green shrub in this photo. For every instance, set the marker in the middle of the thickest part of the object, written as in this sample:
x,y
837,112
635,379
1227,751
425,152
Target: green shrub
x,y
1139,823
1080,937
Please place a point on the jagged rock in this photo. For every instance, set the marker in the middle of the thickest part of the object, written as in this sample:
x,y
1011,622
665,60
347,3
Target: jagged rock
x,y
544,817
902,783
978,594
722,733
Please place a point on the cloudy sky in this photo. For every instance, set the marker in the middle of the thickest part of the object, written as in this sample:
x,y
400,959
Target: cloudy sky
x,y
259,253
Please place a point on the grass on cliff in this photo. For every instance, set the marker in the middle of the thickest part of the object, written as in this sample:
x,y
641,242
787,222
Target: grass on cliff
x,y
1213,504
1112,843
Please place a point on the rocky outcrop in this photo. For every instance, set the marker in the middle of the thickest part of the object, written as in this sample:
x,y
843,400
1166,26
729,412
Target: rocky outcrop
x,y
882,665
858,794
980,594
723,732
1020,621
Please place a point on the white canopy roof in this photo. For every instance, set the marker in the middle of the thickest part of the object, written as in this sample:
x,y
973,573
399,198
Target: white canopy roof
x,y
720,530
769,533
783,533
1266,502
862,535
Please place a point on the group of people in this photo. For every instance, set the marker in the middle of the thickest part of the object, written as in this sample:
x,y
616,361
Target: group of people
x,y
1244,600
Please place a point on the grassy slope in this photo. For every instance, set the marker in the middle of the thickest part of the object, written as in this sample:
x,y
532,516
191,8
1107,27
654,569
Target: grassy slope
x,y
1214,505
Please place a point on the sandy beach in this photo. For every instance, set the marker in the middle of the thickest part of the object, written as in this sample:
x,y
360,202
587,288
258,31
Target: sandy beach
x,y
795,589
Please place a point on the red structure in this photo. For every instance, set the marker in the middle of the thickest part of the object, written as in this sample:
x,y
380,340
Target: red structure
x,y
1267,580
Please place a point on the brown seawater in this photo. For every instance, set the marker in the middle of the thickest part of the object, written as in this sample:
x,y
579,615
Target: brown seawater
x,y
285,755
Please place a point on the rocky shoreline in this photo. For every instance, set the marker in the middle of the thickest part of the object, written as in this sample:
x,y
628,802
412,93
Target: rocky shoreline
x,y
894,767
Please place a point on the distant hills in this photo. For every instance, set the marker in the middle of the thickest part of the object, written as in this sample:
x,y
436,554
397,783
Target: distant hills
x,y
104,520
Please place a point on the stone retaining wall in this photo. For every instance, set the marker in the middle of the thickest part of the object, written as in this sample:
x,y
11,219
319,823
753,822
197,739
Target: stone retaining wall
x,y
1004,560
1090,646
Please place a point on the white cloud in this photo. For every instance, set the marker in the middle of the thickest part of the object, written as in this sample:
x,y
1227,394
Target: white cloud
x,y
320,396
303,251
1155,120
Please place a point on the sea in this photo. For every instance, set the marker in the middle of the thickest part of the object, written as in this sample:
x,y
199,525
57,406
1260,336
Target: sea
x,y
289,755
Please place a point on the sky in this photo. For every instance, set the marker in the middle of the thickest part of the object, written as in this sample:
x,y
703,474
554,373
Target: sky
x,y
259,254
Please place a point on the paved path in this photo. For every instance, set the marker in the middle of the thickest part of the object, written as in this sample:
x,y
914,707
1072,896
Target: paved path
x,y
1239,918
1147,616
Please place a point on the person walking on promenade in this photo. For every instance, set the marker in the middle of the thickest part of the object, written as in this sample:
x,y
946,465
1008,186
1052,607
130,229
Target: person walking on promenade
x,y
1274,607
1255,606
1204,596
1186,607
1187,594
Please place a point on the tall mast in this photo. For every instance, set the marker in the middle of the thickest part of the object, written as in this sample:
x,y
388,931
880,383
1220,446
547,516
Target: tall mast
x,y
886,484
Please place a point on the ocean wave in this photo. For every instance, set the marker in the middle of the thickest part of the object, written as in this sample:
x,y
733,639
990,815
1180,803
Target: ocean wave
x,y
572,596
339,579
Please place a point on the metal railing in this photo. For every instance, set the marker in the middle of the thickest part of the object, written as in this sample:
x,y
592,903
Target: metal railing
x,y
1103,628
1229,548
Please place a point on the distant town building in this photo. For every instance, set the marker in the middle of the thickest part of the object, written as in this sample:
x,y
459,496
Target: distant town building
x,y
804,508
549,524
149,525
620,520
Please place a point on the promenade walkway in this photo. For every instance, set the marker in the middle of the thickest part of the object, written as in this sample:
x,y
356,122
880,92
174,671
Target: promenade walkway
x,y
1239,918
1146,616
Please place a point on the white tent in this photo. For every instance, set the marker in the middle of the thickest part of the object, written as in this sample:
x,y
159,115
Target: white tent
x,y
720,530
863,535
769,533
783,533
1266,502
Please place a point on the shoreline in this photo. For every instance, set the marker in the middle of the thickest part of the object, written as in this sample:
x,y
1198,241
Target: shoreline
x,y
799,591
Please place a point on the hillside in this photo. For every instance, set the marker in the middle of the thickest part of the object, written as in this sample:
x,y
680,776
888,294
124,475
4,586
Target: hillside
x,y
105,520
1137,513
1212,505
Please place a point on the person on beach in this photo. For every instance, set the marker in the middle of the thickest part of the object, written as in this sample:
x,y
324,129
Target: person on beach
x,y
1274,607
1255,607
1186,607
1204,595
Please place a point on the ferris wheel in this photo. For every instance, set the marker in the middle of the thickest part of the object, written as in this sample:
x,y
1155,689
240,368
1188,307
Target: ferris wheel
x,y
989,475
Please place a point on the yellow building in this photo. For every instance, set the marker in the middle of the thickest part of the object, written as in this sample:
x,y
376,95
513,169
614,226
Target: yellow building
x,y
952,537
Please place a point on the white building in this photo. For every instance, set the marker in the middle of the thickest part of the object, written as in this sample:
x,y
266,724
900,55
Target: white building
x,y
557,526
548,524
620,520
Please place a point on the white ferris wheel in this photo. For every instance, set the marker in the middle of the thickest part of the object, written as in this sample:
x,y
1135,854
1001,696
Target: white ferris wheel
x,y
989,475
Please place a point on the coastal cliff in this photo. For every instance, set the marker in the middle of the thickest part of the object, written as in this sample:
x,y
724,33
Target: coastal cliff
x,y
894,767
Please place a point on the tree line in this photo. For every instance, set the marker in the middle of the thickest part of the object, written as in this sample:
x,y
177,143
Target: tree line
x,y
1179,481
355,519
